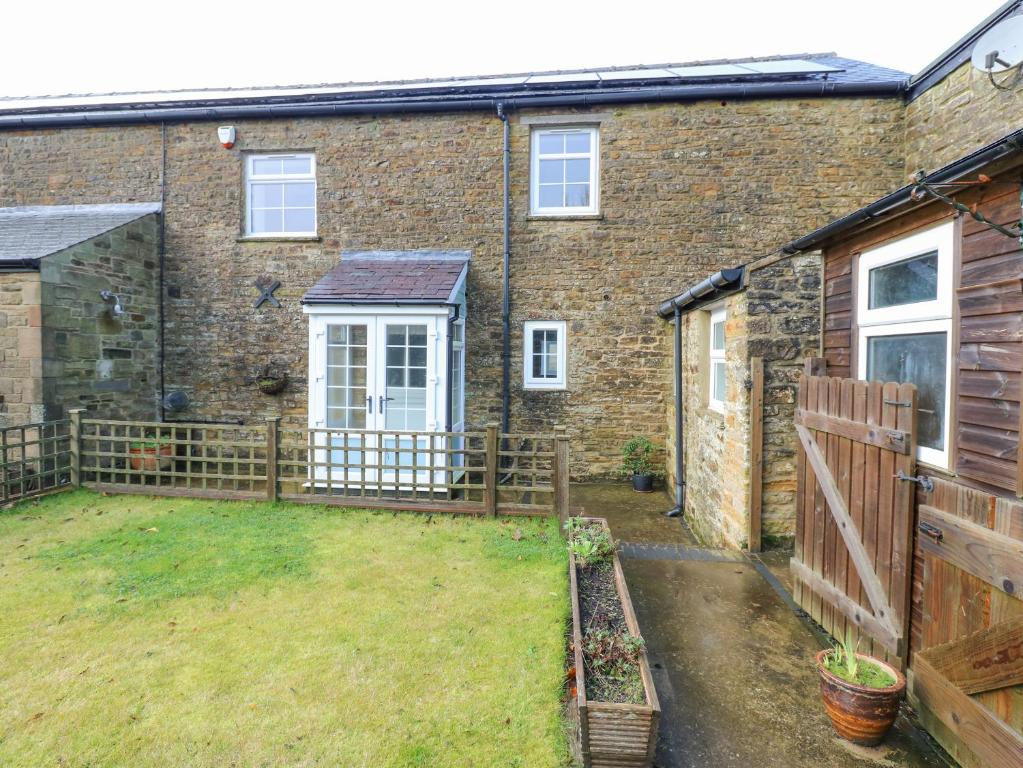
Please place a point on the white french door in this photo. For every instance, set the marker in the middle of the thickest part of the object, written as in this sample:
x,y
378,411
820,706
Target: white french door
x,y
377,389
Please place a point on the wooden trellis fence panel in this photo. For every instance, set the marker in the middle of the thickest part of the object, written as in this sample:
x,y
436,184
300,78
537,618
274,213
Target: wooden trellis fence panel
x,y
34,459
462,472
853,548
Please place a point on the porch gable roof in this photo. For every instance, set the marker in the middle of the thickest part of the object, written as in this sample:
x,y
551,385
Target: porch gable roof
x,y
392,277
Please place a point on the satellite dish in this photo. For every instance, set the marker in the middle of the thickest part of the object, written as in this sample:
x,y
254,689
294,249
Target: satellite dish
x,y
1001,47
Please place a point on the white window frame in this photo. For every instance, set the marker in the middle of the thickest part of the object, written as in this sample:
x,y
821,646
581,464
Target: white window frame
x,y
251,179
918,318
528,380
534,170
717,315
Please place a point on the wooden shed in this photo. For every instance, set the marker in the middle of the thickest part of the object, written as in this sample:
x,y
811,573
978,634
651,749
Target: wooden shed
x,y
924,287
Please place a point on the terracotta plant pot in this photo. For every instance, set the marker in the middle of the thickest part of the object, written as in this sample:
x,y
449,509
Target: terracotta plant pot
x,y
860,714
643,483
151,458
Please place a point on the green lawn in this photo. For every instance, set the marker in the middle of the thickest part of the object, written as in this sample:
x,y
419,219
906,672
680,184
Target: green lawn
x,y
170,632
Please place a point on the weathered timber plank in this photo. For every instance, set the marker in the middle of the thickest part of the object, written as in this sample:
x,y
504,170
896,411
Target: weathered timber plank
x,y
849,608
991,739
985,660
990,556
869,434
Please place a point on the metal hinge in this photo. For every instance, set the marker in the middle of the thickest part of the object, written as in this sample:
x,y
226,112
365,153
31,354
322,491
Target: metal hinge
x,y
922,480
900,403
931,530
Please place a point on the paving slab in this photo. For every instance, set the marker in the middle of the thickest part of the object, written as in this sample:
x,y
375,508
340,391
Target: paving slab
x,y
732,662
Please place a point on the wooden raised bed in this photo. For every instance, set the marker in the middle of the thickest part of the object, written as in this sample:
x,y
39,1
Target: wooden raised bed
x,y
605,734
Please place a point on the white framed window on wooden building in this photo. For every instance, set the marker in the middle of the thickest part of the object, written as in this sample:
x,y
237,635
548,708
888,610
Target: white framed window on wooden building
x,y
280,195
564,171
904,316
544,355
716,389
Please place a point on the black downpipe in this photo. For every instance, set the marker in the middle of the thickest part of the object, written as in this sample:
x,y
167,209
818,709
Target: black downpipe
x,y
506,279
680,467
162,347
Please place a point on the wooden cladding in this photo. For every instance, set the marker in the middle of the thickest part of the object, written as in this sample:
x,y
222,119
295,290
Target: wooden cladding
x,y
854,515
987,329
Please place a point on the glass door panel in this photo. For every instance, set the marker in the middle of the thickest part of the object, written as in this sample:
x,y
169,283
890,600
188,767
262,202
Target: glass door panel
x,y
405,374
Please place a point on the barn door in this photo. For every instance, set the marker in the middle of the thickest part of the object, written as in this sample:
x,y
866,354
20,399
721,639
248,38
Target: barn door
x,y
853,553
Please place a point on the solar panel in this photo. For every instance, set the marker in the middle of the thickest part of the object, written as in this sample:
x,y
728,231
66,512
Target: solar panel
x,y
565,77
789,67
636,74
710,70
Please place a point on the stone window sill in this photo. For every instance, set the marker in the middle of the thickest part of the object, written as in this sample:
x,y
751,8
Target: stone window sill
x,y
566,217
712,415
295,239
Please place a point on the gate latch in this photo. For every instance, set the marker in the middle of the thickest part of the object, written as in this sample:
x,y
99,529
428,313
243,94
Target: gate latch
x,y
922,480
931,530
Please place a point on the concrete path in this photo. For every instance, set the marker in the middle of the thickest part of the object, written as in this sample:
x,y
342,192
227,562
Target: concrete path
x,y
732,662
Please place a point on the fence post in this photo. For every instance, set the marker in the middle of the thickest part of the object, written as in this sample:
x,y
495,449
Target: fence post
x,y
815,366
490,478
561,474
272,426
76,446
5,475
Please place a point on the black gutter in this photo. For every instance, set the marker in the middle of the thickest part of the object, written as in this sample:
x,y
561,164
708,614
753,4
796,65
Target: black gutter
x,y
971,163
958,54
254,108
19,265
506,276
717,286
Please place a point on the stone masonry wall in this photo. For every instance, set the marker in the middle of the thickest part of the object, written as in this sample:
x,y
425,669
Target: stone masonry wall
x,y
685,189
92,359
716,445
962,113
783,306
21,396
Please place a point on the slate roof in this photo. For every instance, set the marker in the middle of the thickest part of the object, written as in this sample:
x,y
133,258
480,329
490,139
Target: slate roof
x,y
816,73
29,233
391,277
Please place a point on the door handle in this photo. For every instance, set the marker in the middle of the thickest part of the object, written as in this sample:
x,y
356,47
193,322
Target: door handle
x,y
381,402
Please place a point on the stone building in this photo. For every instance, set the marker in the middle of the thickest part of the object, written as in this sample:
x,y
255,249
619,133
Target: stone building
x,y
779,305
620,182
79,311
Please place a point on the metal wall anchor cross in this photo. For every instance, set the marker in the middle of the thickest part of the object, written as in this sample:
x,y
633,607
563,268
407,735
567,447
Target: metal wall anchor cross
x,y
266,293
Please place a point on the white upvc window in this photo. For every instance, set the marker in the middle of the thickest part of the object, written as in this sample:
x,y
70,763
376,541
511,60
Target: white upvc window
x,y
280,195
564,171
544,355
716,361
904,316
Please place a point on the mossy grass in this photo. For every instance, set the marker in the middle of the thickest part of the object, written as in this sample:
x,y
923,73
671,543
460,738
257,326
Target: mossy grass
x,y
152,632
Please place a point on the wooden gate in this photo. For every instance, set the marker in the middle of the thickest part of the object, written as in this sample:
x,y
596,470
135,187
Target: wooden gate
x,y
854,524
967,664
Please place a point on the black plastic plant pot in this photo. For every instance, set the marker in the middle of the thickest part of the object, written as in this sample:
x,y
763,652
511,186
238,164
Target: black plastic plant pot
x,y
643,483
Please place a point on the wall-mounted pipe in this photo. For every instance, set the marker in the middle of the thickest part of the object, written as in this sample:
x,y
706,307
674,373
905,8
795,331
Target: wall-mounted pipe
x,y
506,274
680,466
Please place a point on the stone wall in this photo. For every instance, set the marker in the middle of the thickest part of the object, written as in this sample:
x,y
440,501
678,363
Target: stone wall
x,y
91,359
685,189
21,396
962,113
716,445
783,306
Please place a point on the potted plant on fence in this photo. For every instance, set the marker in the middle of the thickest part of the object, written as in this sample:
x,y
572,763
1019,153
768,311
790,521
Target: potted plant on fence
x,y
636,462
861,693
150,454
